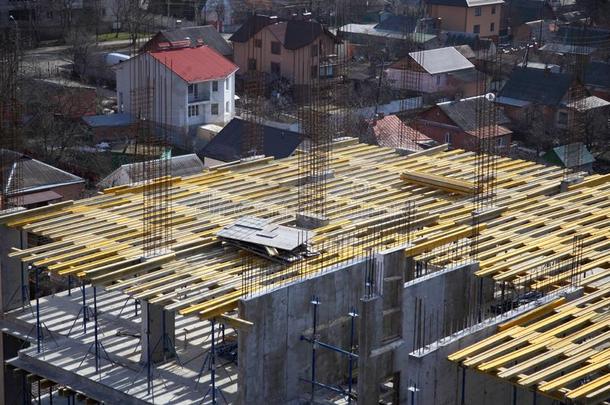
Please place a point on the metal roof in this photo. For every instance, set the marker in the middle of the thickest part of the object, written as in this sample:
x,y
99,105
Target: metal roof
x,y
263,232
36,175
109,120
441,60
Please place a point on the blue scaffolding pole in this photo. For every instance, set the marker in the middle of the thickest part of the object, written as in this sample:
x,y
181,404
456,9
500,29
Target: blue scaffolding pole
x,y
350,354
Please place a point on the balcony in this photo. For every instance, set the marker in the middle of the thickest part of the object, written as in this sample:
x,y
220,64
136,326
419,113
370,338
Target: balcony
x,y
198,92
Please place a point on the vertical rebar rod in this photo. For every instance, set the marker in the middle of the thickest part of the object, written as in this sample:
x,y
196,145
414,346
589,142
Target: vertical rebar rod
x,y
148,351
353,315
95,326
84,307
213,362
38,329
315,302
463,393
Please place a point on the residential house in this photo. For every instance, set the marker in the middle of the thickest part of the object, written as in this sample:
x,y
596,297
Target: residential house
x,y
31,183
578,41
440,72
526,19
531,87
192,87
390,35
390,131
481,17
227,145
575,156
299,50
189,37
597,79
479,49
180,166
458,123
111,127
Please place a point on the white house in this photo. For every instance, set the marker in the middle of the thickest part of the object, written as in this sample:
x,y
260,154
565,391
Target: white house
x,y
436,71
178,88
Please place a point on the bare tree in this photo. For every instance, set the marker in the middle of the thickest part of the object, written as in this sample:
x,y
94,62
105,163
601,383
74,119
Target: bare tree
x,y
136,19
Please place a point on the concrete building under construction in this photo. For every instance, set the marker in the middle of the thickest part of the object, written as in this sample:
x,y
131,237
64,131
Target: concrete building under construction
x,y
400,294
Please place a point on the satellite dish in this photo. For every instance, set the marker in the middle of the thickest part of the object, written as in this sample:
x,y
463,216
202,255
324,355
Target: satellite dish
x,y
490,96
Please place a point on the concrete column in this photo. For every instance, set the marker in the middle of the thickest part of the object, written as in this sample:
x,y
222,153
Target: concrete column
x,y
369,338
11,382
10,269
158,333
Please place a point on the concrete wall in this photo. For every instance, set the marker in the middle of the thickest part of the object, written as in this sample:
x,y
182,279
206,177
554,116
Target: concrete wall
x,y
439,381
272,357
10,269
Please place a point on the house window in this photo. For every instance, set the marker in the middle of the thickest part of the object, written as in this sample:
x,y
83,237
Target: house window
x,y
447,137
276,48
49,15
275,68
214,109
438,80
120,101
492,27
501,142
477,11
476,29
193,91
258,43
193,110
314,71
314,50
326,71
493,9
227,107
214,85
251,64
227,83
562,118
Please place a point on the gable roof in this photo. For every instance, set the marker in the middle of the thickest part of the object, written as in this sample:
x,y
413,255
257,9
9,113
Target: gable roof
x,y
203,34
293,34
196,64
572,155
536,86
226,145
34,174
464,114
180,166
441,60
252,26
388,131
597,74
399,23
464,3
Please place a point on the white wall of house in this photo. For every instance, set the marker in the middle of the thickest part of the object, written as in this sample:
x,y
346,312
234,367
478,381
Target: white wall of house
x,y
215,103
174,104
410,80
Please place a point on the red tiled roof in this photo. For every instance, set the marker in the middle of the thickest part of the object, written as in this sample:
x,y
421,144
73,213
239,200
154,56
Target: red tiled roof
x,y
196,64
388,132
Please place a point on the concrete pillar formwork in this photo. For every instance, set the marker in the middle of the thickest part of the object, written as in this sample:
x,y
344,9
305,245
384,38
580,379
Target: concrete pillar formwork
x,y
158,334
